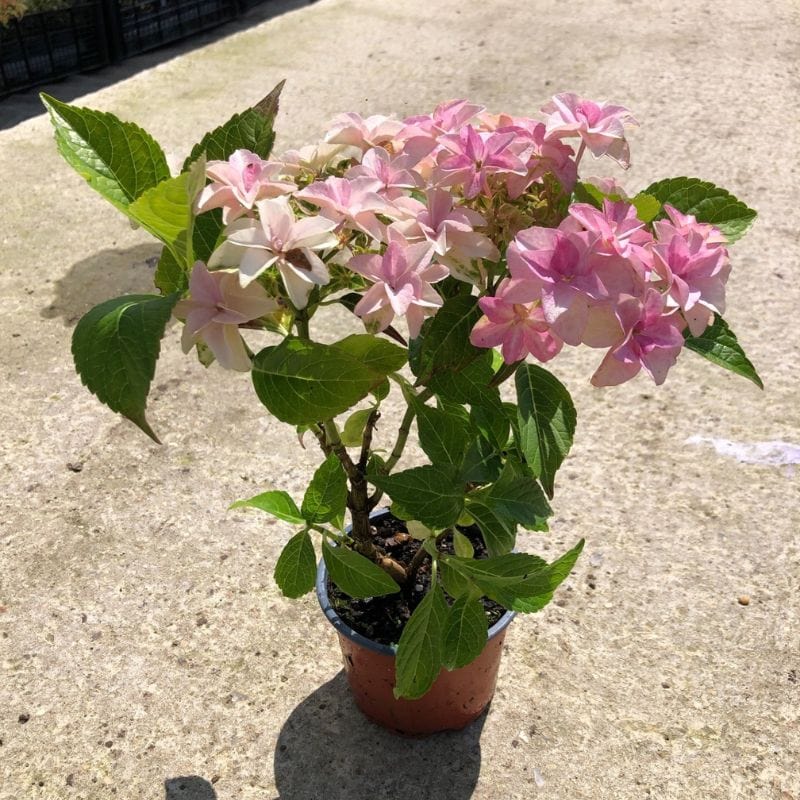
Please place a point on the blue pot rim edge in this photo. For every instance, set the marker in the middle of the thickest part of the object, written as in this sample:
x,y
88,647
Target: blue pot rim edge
x,y
343,628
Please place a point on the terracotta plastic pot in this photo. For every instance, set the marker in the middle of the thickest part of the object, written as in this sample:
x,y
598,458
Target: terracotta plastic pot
x,y
455,699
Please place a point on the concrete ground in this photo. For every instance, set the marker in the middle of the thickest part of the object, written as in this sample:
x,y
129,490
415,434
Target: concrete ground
x,y
145,651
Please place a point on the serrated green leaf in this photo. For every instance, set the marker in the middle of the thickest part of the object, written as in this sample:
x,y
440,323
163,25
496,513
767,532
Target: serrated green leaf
x,y
647,207
546,421
375,354
116,346
250,130
482,462
416,530
465,632
588,193
118,159
353,429
443,435
167,212
355,574
446,346
462,545
515,575
326,495
296,570
431,494
301,382
706,202
719,345
276,502
420,649
498,532
455,584
170,275
517,496
490,419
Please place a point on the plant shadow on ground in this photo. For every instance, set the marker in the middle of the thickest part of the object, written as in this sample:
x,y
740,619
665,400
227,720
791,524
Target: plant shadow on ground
x,y
16,108
107,274
190,787
328,751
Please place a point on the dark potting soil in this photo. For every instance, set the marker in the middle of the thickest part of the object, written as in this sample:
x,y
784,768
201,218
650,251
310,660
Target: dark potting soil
x,y
382,619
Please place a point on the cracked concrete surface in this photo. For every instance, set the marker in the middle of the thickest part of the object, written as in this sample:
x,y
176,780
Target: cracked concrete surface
x,y
145,651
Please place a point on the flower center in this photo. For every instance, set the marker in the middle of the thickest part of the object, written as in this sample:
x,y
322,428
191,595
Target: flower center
x,y
297,258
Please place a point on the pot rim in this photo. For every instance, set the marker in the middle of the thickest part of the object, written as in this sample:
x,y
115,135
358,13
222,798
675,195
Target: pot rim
x,y
345,630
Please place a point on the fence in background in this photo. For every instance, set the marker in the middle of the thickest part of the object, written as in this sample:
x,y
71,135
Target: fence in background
x,y
43,46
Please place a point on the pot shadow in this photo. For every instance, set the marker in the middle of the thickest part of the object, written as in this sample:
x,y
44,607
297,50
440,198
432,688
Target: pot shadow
x,y
190,787
107,274
328,751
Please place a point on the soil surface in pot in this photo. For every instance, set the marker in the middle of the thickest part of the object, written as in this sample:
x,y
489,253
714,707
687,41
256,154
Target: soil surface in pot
x,y
382,619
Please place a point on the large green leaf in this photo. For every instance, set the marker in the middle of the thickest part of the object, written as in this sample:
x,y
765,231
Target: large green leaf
x,y
515,575
326,495
353,430
116,346
376,354
278,503
465,632
482,462
546,421
296,570
355,574
167,212
420,649
443,434
718,344
708,203
516,496
470,385
446,346
301,382
251,130
431,494
499,533
118,159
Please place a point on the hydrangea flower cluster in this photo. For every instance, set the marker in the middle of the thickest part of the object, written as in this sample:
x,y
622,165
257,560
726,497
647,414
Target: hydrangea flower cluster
x,y
391,208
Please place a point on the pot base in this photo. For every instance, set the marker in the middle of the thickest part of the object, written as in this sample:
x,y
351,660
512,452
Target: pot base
x,y
455,699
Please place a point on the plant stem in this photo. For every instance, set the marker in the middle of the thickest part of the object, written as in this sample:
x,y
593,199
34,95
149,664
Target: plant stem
x,y
404,431
504,373
301,321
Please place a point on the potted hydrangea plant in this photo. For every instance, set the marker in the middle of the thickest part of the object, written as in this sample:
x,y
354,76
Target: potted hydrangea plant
x,y
467,252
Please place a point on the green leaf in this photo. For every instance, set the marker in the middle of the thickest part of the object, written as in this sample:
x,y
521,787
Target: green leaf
x,y
718,344
116,346
278,503
353,430
546,421
499,533
250,130
455,584
301,382
588,193
470,385
706,202
166,211
443,435
525,605
419,651
118,159
516,496
170,275
465,632
431,494
647,207
296,570
326,496
515,575
356,575
462,545
482,462
446,346
490,419
375,354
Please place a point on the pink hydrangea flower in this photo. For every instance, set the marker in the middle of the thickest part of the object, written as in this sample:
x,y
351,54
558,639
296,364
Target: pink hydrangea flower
x,y
601,126
469,158
216,306
402,279
561,263
354,130
393,173
514,320
685,225
239,182
350,202
451,231
278,238
651,340
695,268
